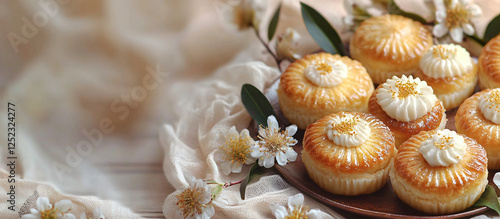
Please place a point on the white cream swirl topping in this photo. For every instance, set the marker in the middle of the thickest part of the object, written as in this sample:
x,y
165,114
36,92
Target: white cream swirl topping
x,y
348,130
489,103
326,73
406,99
445,148
446,60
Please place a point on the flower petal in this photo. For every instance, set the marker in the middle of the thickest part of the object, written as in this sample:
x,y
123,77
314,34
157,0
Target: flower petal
x,y
278,211
31,216
209,211
66,216
496,179
226,167
261,161
250,160
63,205
272,122
313,214
236,167
190,180
220,155
296,201
244,133
256,152
281,158
268,161
475,11
439,30
291,130
457,34
439,3
464,2
468,29
42,204
291,155
83,215
441,15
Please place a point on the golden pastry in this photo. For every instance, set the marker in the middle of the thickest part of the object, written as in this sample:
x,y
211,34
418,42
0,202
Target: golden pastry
x,y
479,118
440,172
321,84
451,73
348,153
407,106
390,45
489,64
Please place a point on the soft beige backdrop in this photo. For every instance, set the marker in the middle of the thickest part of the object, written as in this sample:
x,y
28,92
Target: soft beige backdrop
x,y
135,66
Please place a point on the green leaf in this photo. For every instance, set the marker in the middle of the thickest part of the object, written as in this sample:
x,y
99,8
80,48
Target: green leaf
x,y
216,191
394,9
489,199
273,24
492,30
477,39
321,31
256,104
255,171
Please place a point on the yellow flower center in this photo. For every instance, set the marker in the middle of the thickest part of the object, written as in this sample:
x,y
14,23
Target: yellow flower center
x,y
49,213
189,202
457,16
274,140
405,89
237,149
298,213
243,18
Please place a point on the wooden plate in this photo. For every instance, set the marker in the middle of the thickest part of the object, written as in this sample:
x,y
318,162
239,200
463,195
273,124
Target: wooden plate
x,y
383,203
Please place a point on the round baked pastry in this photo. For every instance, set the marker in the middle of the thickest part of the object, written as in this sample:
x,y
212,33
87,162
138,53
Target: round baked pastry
x,y
451,73
489,64
390,45
440,172
348,153
479,118
321,84
407,106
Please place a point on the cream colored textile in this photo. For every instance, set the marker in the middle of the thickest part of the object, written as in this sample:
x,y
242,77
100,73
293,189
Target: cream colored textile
x,y
190,145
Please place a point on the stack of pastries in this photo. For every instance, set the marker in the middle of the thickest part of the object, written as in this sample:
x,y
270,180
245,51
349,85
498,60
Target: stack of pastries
x,y
357,137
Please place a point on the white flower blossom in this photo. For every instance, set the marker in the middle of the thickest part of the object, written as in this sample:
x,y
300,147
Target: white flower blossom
x,y
296,209
98,214
286,46
454,17
243,13
235,151
275,143
45,210
360,10
195,201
